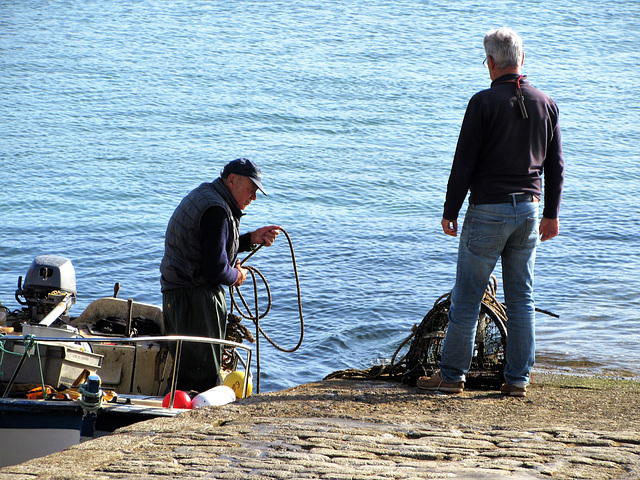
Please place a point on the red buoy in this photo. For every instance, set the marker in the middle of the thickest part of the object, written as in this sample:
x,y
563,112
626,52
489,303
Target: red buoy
x,y
180,400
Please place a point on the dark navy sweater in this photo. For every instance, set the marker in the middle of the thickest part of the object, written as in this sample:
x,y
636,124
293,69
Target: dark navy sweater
x,y
500,153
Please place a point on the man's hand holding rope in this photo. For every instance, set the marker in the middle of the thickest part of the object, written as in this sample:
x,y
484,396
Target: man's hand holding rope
x,y
265,235
262,236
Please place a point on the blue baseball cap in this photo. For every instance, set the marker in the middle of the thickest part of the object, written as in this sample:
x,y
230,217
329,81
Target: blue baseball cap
x,y
246,168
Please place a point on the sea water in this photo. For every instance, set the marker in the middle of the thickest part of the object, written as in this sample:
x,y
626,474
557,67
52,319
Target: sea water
x,y
110,112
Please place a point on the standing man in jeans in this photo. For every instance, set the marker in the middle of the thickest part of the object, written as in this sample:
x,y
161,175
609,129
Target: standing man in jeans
x,y
509,139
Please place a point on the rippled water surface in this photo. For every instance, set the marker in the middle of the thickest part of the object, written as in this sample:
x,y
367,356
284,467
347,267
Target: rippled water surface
x,y
111,112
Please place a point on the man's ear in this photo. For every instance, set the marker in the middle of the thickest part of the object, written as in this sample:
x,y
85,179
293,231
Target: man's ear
x,y
231,179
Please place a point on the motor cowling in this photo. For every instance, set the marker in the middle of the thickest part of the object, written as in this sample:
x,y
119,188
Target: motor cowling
x,y
49,280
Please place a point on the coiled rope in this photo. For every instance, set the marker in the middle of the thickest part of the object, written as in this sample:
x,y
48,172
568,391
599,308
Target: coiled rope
x,y
237,332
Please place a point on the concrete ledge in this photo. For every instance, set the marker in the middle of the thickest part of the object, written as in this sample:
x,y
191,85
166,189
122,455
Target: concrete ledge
x,y
567,427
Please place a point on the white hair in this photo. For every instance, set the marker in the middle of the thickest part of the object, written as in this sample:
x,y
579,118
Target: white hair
x,y
504,46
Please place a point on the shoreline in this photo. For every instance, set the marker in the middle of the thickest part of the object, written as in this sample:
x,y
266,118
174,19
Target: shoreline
x,y
568,365
566,427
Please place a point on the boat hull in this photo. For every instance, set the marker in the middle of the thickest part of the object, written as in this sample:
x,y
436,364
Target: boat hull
x,y
32,429
35,428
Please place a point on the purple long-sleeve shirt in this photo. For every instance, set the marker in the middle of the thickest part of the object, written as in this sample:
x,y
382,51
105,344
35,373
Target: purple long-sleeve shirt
x,y
217,267
500,153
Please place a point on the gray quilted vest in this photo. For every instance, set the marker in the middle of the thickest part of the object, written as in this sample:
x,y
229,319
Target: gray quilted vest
x,y
181,266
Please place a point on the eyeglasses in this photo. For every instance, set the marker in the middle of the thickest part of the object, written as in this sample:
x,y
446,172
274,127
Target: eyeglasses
x,y
484,62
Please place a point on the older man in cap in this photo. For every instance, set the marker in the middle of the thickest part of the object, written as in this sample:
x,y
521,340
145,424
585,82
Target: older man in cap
x,y
201,245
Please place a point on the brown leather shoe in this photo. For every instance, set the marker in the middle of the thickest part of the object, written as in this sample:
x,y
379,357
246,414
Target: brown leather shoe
x,y
513,391
435,383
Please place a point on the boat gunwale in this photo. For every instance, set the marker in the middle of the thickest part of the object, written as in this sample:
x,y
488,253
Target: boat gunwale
x,y
141,339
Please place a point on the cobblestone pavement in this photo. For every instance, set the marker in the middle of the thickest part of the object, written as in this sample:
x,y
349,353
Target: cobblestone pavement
x,y
345,429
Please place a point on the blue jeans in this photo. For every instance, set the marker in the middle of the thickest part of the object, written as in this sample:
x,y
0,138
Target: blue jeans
x,y
491,231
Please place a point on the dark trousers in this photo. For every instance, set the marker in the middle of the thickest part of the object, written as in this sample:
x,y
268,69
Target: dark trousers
x,y
200,312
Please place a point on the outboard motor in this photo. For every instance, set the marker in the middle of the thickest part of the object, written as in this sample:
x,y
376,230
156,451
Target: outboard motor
x,y
49,288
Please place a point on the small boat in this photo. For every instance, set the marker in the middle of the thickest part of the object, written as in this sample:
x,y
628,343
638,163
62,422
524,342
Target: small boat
x,y
67,379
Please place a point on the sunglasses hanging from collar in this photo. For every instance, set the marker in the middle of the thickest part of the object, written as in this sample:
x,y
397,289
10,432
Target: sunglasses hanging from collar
x,y
520,97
